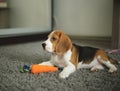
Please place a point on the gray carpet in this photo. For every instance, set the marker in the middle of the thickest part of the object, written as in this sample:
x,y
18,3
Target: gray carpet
x,y
14,56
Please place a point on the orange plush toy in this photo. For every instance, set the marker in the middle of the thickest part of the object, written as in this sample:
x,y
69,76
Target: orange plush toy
x,y
35,68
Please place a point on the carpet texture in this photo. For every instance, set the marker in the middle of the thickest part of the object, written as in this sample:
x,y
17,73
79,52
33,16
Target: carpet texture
x,y
14,56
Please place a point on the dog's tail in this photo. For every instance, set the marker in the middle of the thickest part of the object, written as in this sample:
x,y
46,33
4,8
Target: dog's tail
x,y
113,61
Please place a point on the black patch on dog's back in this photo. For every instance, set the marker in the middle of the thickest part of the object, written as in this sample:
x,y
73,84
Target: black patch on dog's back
x,y
85,53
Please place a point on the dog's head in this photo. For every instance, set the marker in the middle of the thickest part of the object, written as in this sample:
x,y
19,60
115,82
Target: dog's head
x,y
58,42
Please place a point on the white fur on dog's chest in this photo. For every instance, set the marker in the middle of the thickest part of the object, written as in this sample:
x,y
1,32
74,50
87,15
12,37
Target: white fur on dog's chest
x,y
58,61
61,61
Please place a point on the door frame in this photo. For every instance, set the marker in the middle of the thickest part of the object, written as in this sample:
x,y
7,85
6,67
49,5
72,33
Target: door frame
x,y
115,25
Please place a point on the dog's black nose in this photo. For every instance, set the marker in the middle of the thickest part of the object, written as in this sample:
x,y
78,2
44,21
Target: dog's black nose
x,y
43,45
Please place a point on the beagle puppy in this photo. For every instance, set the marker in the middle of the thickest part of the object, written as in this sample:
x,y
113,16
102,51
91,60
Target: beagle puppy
x,y
71,56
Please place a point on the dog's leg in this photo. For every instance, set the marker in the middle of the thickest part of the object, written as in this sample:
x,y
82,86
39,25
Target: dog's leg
x,y
82,65
49,63
94,65
67,71
111,67
107,63
96,68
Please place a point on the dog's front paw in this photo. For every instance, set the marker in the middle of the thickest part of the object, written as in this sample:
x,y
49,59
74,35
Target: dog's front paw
x,y
63,75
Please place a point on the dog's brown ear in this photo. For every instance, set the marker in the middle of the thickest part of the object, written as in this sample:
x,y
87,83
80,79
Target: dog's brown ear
x,y
64,44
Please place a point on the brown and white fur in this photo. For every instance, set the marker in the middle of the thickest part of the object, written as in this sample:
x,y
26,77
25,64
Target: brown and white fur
x,y
72,57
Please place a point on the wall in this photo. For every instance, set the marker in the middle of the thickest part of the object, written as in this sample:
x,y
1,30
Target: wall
x,y
84,17
28,17
30,13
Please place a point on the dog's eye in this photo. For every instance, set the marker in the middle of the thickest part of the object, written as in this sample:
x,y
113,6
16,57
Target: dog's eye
x,y
53,38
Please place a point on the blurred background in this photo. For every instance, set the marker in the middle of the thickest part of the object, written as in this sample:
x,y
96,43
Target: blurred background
x,y
80,19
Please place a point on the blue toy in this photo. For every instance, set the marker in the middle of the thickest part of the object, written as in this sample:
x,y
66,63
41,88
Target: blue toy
x,y
24,69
